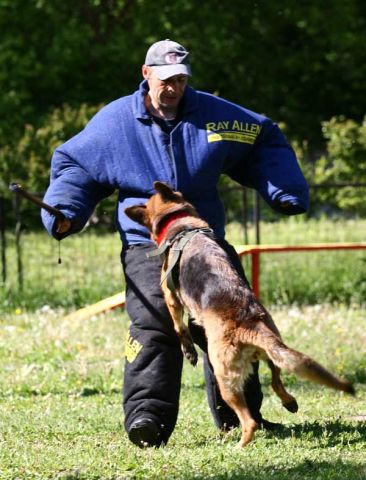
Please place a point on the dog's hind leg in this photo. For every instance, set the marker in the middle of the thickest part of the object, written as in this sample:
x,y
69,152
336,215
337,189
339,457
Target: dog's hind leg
x,y
176,312
236,400
230,373
288,401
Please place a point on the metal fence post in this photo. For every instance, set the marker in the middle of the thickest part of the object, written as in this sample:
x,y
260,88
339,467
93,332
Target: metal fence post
x,y
244,199
18,232
256,216
2,240
256,272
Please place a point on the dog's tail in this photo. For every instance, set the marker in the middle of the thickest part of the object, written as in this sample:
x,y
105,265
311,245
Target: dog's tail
x,y
296,362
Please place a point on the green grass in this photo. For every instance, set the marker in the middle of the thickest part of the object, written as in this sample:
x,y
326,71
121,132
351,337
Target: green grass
x,y
309,277
300,229
61,417
91,269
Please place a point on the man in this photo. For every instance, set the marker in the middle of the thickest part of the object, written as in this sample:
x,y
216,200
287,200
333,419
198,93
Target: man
x,y
170,132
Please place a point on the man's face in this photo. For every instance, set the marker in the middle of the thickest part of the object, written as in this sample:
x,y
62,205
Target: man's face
x,y
165,94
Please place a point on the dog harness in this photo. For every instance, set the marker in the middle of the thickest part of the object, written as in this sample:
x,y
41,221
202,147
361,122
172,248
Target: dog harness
x,y
176,244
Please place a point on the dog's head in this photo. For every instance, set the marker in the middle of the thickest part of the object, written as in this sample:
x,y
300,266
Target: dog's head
x,y
159,207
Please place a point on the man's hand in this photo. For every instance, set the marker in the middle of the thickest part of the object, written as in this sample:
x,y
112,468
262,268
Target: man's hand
x,y
62,226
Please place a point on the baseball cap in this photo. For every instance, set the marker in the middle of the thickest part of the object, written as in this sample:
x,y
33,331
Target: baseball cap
x,y
168,58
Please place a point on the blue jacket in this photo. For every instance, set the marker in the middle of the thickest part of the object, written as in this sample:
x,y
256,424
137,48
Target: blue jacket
x,y
121,148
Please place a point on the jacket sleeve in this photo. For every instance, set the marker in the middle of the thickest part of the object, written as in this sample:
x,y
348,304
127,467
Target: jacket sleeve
x,y
73,191
272,169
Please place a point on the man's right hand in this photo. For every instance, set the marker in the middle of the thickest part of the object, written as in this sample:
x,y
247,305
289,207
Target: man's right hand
x,y
62,226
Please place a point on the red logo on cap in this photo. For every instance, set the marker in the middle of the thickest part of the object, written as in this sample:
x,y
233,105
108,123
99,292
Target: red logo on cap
x,y
171,58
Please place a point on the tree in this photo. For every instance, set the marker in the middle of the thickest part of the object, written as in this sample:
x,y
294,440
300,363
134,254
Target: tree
x,y
298,62
344,163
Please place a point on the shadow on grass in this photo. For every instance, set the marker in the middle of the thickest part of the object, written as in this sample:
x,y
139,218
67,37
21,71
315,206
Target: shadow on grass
x,y
305,470
331,433
327,433
359,375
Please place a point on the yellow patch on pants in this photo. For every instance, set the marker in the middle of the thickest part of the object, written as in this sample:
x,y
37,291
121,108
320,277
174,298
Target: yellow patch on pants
x,y
132,348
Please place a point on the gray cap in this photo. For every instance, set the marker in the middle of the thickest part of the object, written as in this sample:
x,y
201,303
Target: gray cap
x,y
168,58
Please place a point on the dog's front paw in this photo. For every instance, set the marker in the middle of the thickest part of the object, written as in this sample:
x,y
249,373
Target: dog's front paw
x,y
188,348
190,353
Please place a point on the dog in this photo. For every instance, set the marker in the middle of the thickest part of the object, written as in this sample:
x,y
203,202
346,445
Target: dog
x,y
239,330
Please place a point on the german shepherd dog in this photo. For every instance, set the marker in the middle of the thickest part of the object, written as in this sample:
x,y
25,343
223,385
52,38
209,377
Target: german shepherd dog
x,y
238,328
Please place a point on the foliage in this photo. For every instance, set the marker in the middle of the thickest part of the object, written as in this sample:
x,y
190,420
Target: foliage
x,y
271,58
52,53
61,60
345,162
29,160
60,406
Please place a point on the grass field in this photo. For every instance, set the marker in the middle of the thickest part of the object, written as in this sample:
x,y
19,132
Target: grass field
x,y
60,379
61,417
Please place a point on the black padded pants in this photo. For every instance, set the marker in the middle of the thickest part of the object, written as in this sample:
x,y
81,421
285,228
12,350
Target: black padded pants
x,y
153,366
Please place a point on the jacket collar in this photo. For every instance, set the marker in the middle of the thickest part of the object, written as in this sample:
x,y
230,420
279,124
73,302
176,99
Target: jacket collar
x,y
190,99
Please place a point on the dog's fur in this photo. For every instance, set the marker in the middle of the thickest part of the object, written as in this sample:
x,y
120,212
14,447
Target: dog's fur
x,y
238,328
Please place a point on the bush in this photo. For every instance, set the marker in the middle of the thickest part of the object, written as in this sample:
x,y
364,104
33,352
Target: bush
x,y
28,161
344,163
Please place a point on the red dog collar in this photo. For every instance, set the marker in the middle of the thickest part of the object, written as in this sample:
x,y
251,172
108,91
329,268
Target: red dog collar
x,y
164,227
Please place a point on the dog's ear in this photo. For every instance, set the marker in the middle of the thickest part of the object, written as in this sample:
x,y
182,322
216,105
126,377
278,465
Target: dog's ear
x,y
164,189
138,213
